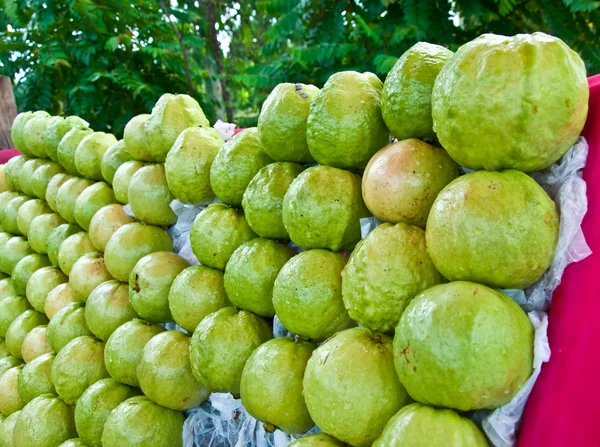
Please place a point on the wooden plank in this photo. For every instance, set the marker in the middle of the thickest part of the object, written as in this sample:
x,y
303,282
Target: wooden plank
x,y
8,111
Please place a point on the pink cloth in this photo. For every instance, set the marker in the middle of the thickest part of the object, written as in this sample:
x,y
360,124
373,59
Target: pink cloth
x,y
7,154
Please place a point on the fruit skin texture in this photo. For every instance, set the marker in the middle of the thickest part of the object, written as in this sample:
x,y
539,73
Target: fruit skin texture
x,y
67,195
77,366
25,268
68,146
530,108
149,196
496,228
88,272
10,214
420,426
73,248
16,131
322,209
188,163
282,122
134,138
12,251
52,189
55,132
66,325
263,199
33,135
10,308
222,343
58,298
385,271
195,293
46,421
42,176
139,422
34,378
165,374
345,127
271,385
108,308
351,387
451,347
307,295
35,344
129,244
10,400
89,152
40,229
124,349
40,283
317,440
217,232
6,287
149,284
95,405
12,170
75,442
122,178
114,157
7,429
57,237
105,222
26,172
19,328
406,95
92,199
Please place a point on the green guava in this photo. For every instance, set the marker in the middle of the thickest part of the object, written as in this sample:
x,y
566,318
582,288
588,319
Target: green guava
x,y
34,132
322,209
3,350
188,163
57,237
351,387
10,213
34,378
105,222
52,189
282,122
68,146
3,182
139,422
67,196
29,211
12,168
73,248
263,199
35,344
67,324
195,293
90,201
135,140
122,178
529,93
10,401
418,425
20,327
217,232
77,366
40,229
317,440
345,127
222,343
6,287
10,308
129,244
149,196
18,125
46,421
8,362
88,272
114,157
251,272
75,442
149,284
42,176
496,228
25,268
12,251
124,349
170,116
40,283
165,374
271,384
7,429
58,298
238,161
5,197
26,173
307,295
56,130
406,94
108,308
451,347
89,152
95,405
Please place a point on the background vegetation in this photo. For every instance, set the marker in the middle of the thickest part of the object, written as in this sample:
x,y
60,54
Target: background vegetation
x,y
107,61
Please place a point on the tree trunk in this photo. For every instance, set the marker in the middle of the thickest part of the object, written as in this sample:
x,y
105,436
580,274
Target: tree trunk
x,y
8,111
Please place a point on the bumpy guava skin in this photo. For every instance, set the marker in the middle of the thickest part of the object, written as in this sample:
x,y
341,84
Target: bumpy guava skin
x,y
66,325
20,327
10,308
58,298
40,283
42,176
35,344
67,196
122,178
88,272
7,429
68,146
12,251
25,174
105,222
16,131
10,400
90,201
115,156
25,268
135,139
107,308
72,248
52,189
34,378
33,135
40,229
89,152
149,196
28,211
56,130
12,169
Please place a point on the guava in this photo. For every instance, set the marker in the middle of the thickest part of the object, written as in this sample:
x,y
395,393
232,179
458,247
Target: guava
x,y
73,248
496,228
10,308
149,196
406,94
149,284
307,295
89,152
217,232
251,272
77,366
12,168
108,308
7,429
18,126
170,116
135,140
35,344
6,288
451,347
68,146
66,325
317,440
263,199
238,161
124,349
58,298
222,343
57,237
10,401
122,178
418,425
139,422
105,222
25,268
5,197
195,293
29,211
282,122
10,213
20,327
322,209
529,93
40,229
3,350
114,157
34,378
271,384
56,130
9,362
42,176
3,182
52,189
95,405
40,283
90,201
67,196
46,421
33,134
88,272
129,244
12,251
75,442
345,127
